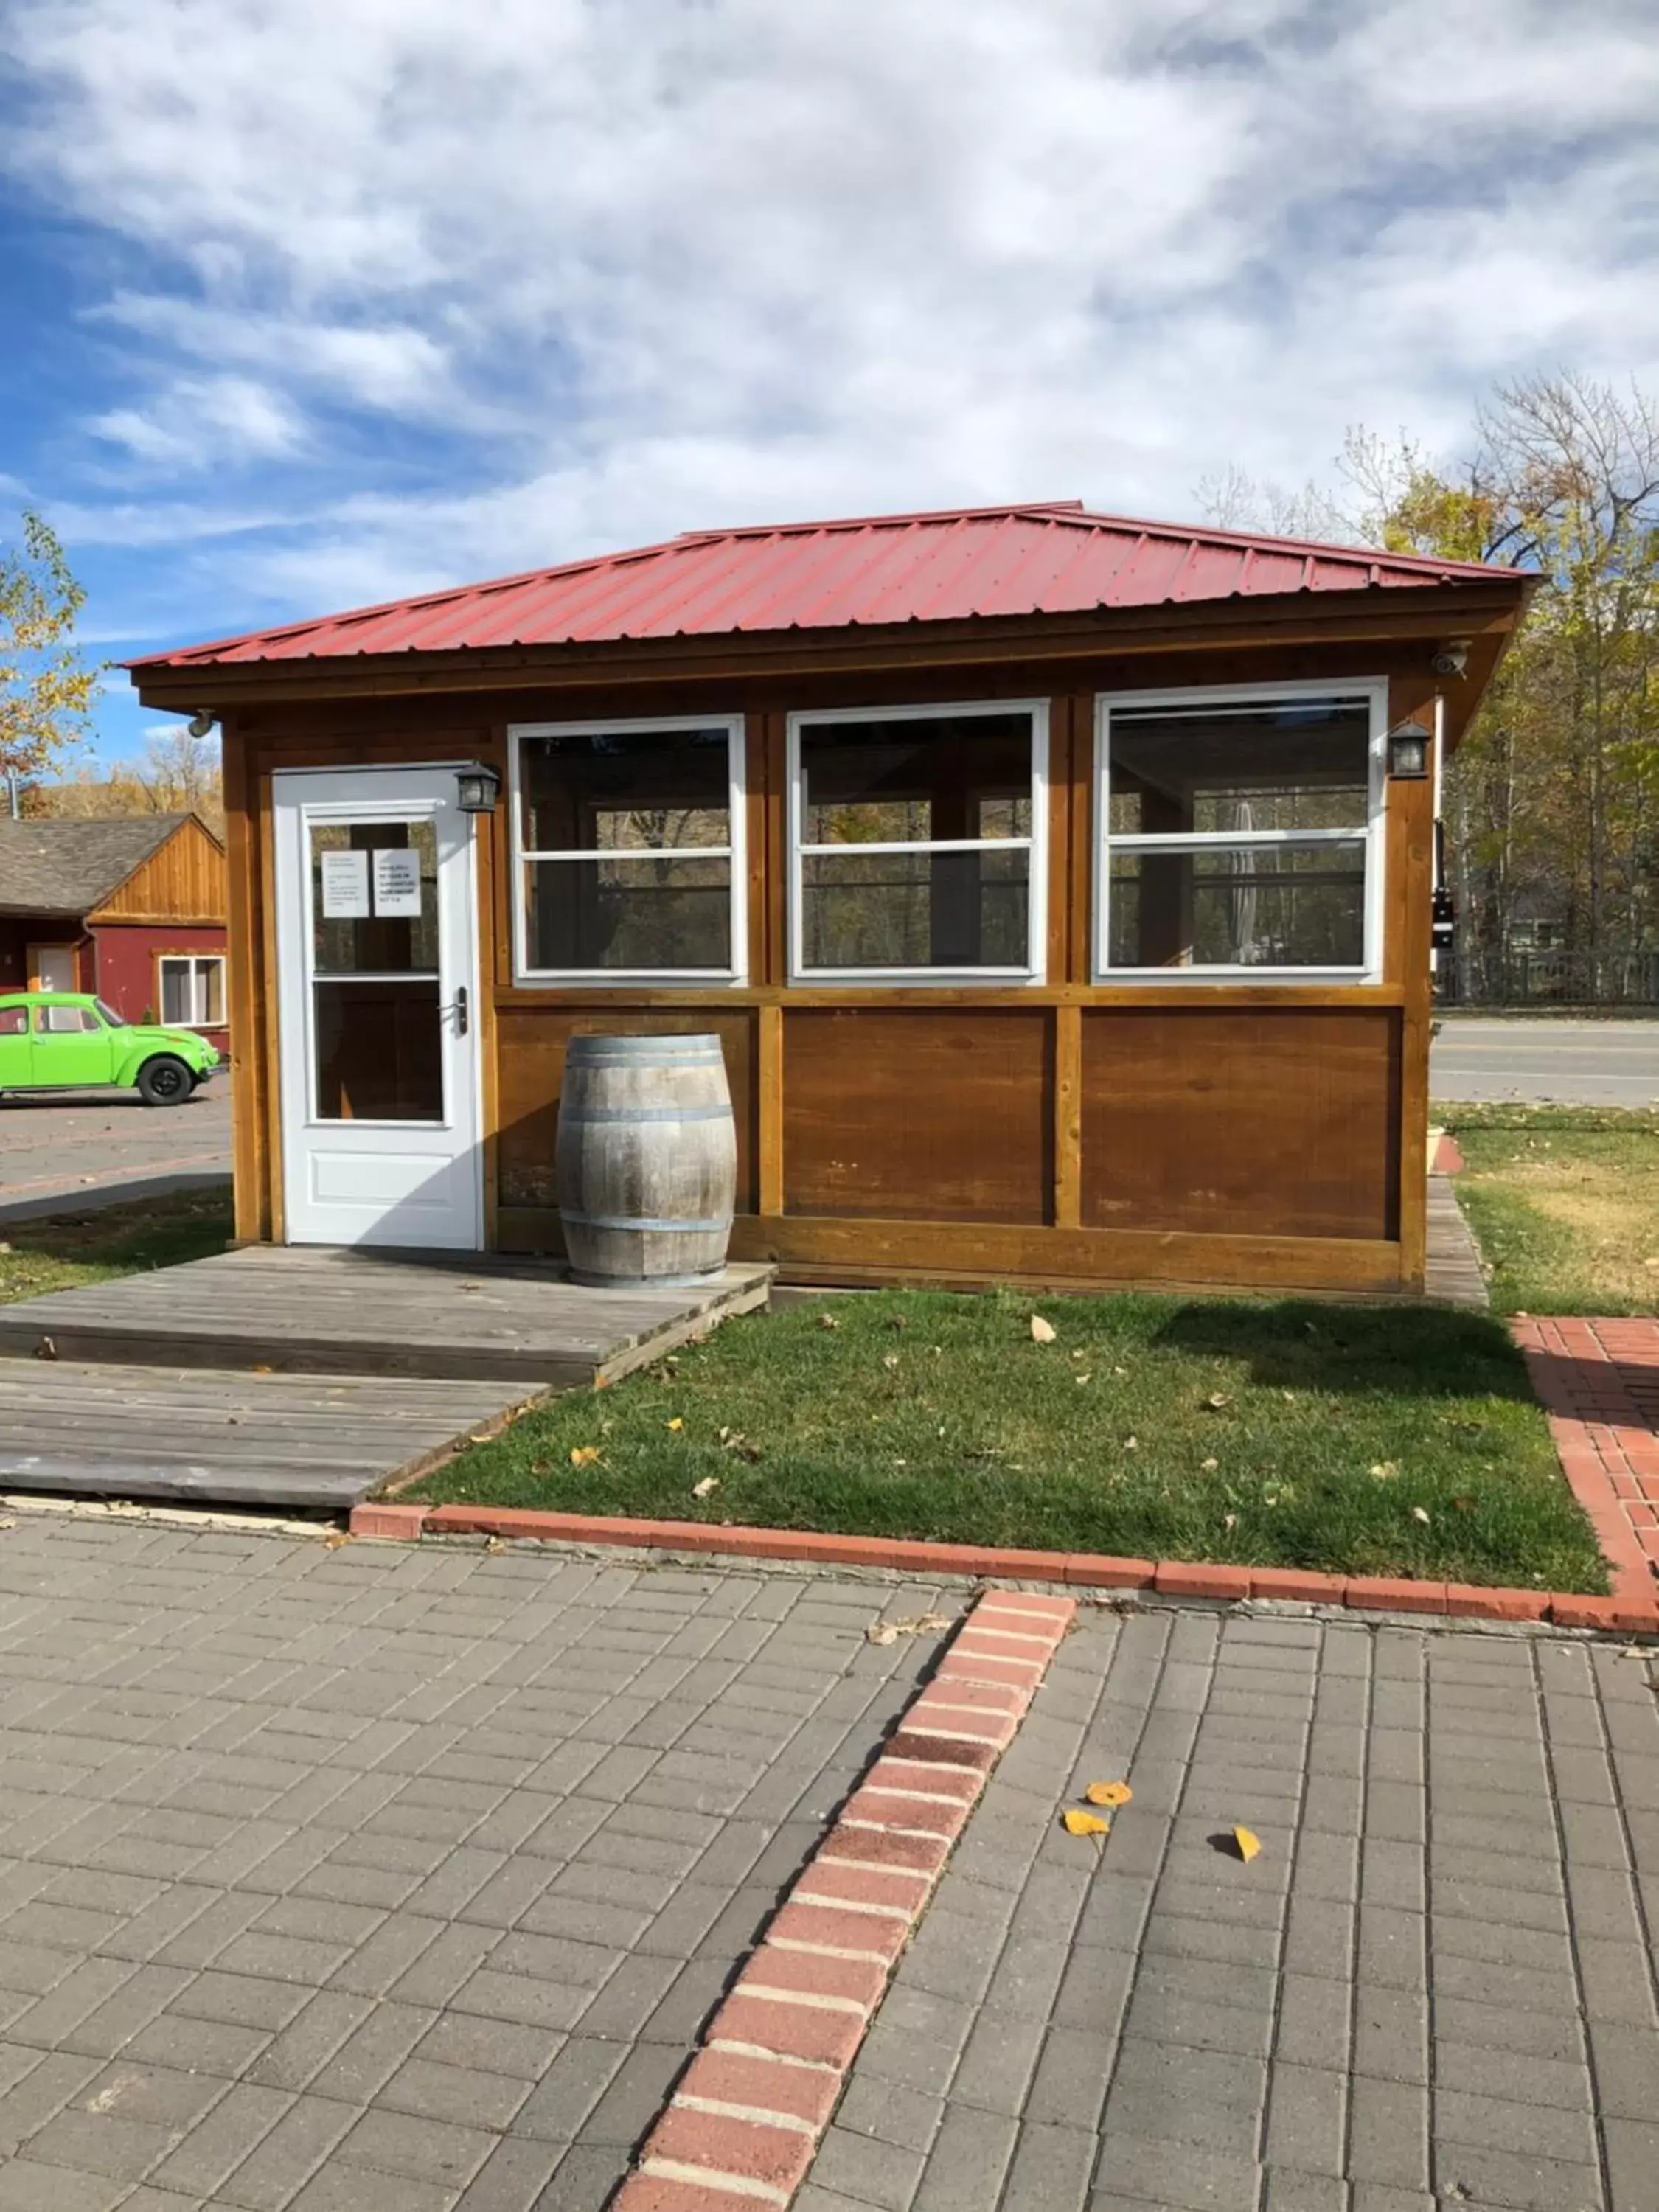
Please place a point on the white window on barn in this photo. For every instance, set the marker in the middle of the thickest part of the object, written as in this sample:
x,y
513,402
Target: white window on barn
x,y
628,850
1240,833
193,990
916,843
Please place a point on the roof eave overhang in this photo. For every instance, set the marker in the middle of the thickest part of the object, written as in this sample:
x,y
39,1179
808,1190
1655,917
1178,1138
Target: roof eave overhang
x,y
1490,607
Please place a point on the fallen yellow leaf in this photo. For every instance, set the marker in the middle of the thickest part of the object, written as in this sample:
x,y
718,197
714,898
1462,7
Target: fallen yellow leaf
x,y
1042,1332
583,1455
1108,1793
677,1423
709,1483
1249,1843
1084,1824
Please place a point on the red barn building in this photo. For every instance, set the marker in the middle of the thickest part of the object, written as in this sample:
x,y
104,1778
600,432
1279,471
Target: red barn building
x,y
132,909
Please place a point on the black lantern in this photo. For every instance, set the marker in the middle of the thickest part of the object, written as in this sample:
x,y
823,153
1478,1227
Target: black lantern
x,y
1408,750
476,788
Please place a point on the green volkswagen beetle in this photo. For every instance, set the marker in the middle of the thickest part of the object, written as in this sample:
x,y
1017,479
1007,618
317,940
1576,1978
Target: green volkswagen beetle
x,y
66,1041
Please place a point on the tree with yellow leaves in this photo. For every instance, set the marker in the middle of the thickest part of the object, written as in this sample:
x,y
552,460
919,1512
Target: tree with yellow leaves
x,y
46,685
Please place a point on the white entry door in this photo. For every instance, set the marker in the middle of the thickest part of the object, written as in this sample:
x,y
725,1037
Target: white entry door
x,y
377,991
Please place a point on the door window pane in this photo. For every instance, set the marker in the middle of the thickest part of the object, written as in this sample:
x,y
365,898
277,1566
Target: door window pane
x,y
630,912
373,916
1239,906
921,909
14,1021
378,1050
67,1021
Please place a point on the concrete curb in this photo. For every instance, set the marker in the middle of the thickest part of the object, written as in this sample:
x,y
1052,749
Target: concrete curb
x,y
1632,1610
742,2126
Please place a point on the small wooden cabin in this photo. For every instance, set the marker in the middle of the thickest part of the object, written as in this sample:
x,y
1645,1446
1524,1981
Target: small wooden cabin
x,y
130,906
1058,886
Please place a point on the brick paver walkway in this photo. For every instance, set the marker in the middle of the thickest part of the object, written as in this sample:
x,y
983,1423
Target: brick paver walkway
x,y
1599,1382
389,1880
1434,1986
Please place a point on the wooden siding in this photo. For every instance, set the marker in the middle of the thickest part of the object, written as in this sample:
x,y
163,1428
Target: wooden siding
x,y
1065,1133
1204,1120
183,880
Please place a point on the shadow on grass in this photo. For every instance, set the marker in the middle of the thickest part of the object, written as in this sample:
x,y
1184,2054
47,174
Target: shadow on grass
x,y
1430,1352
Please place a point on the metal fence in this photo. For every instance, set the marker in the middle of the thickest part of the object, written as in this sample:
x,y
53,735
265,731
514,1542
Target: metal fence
x,y
1481,978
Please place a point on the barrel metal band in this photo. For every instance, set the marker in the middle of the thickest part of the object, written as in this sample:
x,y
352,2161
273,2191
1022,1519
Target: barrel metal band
x,y
611,1113
708,1221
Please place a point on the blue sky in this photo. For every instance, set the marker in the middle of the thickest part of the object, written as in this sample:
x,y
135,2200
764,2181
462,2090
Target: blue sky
x,y
305,304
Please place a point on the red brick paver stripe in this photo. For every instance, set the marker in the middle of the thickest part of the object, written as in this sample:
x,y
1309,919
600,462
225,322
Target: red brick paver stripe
x,y
743,2123
1598,1380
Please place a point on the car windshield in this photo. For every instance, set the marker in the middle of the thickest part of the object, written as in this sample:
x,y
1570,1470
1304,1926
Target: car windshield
x,y
111,1017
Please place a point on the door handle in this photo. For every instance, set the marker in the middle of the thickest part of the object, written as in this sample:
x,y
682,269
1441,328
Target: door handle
x,y
458,1007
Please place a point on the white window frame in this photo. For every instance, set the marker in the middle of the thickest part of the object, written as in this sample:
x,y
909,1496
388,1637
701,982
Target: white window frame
x,y
1035,846
1370,690
604,978
195,961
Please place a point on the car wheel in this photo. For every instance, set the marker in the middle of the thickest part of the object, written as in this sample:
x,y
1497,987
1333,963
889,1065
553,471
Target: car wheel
x,y
165,1082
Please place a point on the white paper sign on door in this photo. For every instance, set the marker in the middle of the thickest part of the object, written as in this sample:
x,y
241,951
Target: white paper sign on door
x,y
345,886
396,881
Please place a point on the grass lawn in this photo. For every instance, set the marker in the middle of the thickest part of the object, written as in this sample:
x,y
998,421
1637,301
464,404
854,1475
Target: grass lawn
x,y
1369,1440
1565,1203
69,1248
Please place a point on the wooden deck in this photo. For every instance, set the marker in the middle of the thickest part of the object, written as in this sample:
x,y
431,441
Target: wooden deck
x,y
1454,1276
306,1309
293,1376
319,1443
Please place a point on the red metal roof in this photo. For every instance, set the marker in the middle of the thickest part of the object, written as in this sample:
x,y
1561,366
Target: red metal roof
x,y
1050,558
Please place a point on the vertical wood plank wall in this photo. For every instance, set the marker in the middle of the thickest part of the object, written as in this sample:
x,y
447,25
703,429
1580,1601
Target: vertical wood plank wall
x,y
1067,1134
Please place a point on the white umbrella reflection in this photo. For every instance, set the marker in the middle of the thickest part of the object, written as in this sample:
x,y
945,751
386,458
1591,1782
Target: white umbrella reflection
x,y
1241,897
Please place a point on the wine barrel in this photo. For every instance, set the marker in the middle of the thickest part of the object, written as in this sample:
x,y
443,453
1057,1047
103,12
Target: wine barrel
x,y
647,1159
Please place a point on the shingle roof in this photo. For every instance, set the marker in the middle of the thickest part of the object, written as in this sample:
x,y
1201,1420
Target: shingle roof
x,y
70,867
1050,558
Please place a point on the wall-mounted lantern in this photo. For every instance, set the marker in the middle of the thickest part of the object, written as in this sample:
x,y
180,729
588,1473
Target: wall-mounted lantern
x,y
1408,750
476,788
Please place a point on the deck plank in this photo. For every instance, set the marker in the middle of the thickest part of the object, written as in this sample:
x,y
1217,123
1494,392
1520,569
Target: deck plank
x,y
294,1308
253,1439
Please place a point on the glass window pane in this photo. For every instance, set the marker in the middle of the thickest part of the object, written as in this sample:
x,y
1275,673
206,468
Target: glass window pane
x,y
361,922
655,915
1283,765
916,909
378,1052
607,791
212,992
14,1021
911,778
67,1021
1243,907
175,991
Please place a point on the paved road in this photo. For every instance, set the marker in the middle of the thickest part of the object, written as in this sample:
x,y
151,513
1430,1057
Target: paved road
x,y
1580,1063
387,1879
1434,1987
94,1145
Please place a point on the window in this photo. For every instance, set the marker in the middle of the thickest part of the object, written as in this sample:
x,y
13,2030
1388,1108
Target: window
x,y
65,1021
916,839
628,843
14,1021
1241,831
193,990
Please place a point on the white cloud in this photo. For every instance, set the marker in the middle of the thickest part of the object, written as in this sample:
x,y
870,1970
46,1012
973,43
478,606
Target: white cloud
x,y
198,423
600,272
